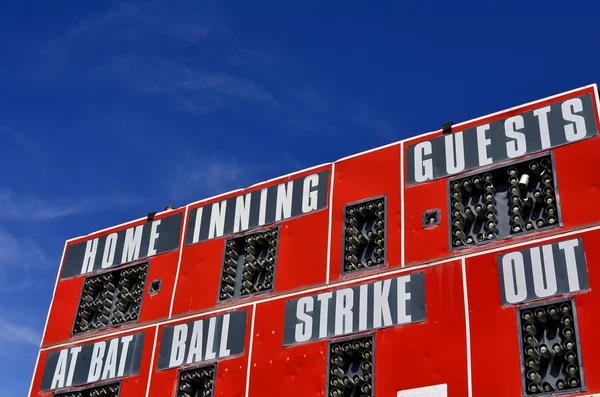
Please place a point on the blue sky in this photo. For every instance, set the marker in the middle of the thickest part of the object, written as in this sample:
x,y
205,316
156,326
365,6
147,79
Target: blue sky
x,y
109,110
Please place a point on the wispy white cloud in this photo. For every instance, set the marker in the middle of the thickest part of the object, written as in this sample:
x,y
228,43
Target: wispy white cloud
x,y
202,176
186,54
149,21
137,46
187,82
27,207
145,24
22,259
368,118
14,332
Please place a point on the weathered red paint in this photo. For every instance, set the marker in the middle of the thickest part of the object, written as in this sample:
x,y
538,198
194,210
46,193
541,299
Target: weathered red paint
x,y
368,175
68,292
296,370
230,379
297,266
130,386
432,352
421,350
577,186
494,338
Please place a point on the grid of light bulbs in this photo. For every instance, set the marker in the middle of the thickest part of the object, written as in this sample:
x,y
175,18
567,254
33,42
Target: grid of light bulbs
x,y
111,298
526,190
106,390
196,382
550,352
351,368
364,242
249,264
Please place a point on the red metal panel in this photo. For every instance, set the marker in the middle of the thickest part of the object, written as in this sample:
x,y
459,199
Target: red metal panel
x,y
367,175
578,183
230,379
406,356
296,370
425,244
494,338
577,186
301,255
130,386
68,292
433,352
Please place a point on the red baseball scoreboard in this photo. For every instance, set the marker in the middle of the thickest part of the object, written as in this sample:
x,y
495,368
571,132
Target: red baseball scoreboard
x,y
462,262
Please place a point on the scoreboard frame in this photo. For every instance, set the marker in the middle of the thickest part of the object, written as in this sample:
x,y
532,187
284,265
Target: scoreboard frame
x,y
413,235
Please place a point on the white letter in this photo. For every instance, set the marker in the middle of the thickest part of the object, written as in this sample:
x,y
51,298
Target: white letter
x,y
195,351
110,367
542,115
178,345
324,310
262,211
568,248
304,329
197,223
153,236
578,131
210,342
423,167
217,219
518,146
543,287
242,213
514,271
125,340
91,246
133,240
73,362
363,307
381,304
223,350
402,299
96,362
58,380
343,311
482,143
283,209
455,159
110,246
309,197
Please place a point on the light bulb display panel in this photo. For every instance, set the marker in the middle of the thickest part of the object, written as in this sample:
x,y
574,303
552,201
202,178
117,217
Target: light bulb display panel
x,y
550,355
351,367
249,264
110,299
106,390
197,382
364,235
503,202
